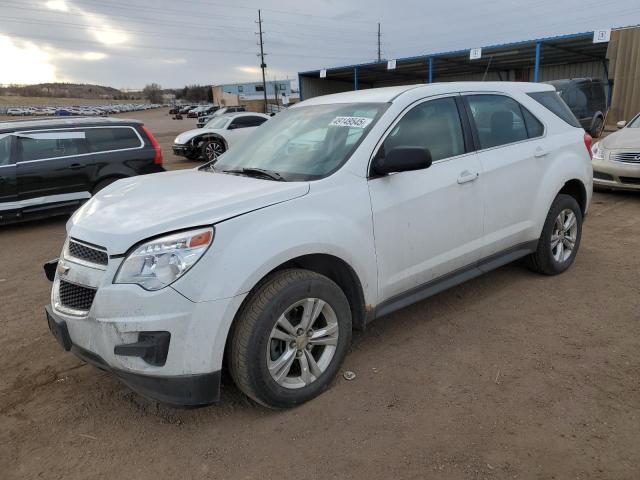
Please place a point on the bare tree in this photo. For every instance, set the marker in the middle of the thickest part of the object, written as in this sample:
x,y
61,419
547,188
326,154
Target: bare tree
x,y
153,93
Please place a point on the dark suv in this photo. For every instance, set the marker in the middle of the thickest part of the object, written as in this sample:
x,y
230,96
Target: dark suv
x,y
51,166
587,100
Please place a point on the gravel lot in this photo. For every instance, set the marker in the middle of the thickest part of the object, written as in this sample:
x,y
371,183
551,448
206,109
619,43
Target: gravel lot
x,y
512,375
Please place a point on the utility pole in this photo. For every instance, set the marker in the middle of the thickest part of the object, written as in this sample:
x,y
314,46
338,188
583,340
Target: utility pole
x,y
379,53
263,65
275,93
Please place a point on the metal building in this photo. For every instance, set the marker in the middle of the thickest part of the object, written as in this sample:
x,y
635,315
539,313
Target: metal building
x,y
587,54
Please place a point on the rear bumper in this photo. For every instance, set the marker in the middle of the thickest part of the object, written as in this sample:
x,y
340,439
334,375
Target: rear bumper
x,y
178,390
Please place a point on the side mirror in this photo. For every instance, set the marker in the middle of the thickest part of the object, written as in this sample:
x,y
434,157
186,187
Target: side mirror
x,y
402,159
621,124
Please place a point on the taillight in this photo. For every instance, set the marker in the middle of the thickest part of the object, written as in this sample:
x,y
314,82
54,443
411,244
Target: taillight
x,y
156,146
587,143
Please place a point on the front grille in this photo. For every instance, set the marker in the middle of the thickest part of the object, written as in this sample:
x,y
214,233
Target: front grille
x,y
632,180
602,176
75,296
88,254
626,157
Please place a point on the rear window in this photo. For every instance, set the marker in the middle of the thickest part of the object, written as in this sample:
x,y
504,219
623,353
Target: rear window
x,y
552,101
111,138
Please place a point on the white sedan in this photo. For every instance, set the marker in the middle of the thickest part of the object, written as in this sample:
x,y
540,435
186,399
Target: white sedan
x,y
217,136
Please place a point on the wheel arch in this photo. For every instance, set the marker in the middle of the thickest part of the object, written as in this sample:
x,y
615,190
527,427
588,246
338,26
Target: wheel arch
x,y
576,189
210,136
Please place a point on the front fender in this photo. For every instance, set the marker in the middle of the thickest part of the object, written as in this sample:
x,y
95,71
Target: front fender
x,y
248,247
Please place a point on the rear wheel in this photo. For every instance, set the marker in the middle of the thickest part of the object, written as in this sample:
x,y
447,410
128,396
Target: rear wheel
x,y
212,149
560,238
290,338
596,129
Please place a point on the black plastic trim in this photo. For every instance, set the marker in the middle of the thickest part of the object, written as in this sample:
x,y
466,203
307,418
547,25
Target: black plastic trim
x,y
152,347
452,279
50,269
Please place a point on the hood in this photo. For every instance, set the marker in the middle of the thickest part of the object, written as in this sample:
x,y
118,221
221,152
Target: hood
x,y
189,134
625,138
137,208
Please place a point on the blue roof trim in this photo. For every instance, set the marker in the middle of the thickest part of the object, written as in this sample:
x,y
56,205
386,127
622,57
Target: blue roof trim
x,y
532,42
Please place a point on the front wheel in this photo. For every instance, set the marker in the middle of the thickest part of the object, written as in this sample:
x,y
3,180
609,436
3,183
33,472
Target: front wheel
x,y
560,238
290,338
212,149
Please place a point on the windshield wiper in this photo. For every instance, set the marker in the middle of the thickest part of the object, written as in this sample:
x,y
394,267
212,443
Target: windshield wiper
x,y
251,171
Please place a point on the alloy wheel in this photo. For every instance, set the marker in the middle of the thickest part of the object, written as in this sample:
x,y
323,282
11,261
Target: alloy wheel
x,y
213,150
302,343
564,235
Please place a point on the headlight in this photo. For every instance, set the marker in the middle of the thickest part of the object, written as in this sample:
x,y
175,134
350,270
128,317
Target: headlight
x,y
598,151
177,139
161,261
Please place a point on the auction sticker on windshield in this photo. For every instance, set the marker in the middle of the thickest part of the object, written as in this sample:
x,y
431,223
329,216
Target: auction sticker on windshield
x,y
354,122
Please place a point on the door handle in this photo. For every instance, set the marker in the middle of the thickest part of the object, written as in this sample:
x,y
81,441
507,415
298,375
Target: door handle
x,y
540,152
75,166
466,177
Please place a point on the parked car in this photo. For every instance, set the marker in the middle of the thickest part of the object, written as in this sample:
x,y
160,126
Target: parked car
x,y
51,166
616,158
587,100
267,258
217,136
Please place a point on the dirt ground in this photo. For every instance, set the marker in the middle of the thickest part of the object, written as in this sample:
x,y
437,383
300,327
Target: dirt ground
x,y
512,375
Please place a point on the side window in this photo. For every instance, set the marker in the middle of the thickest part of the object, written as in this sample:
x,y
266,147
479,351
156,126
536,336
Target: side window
x,y
42,145
107,139
553,102
256,121
534,127
5,150
498,120
434,125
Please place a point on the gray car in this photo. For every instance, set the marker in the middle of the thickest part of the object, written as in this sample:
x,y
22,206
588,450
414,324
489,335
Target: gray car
x,y
616,158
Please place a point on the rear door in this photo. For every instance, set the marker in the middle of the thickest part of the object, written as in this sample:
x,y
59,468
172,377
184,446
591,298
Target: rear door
x,y
119,151
52,166
513,157
8,187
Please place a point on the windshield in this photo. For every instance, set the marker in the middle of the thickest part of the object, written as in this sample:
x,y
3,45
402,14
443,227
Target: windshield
x,y
635,123
305,143
217,122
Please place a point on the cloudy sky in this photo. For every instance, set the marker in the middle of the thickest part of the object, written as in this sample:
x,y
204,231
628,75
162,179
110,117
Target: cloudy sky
x,y
129,43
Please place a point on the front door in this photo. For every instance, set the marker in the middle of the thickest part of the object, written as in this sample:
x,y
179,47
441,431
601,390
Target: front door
x,y
53,166
427,223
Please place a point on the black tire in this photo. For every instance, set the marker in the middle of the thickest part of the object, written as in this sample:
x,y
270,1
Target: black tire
x,y
596,129
543,260
103,183
211,149
250,339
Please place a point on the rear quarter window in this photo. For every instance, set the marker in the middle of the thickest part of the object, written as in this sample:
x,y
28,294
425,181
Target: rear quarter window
x,y
552,101
111,138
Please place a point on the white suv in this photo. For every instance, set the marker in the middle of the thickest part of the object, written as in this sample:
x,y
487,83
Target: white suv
x,y
340,210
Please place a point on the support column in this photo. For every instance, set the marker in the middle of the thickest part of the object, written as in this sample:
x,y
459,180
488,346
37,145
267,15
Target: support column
x,y
355,78
536,68
430,62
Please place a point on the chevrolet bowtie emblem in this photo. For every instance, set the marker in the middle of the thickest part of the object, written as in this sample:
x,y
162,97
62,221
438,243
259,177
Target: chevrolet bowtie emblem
x,y
62,269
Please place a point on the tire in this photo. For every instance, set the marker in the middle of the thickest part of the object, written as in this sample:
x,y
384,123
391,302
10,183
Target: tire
x,y
212,149
103,183
552,260
596,129
255,354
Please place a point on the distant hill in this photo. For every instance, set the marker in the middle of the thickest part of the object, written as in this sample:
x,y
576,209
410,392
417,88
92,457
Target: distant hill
x,y
66,90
